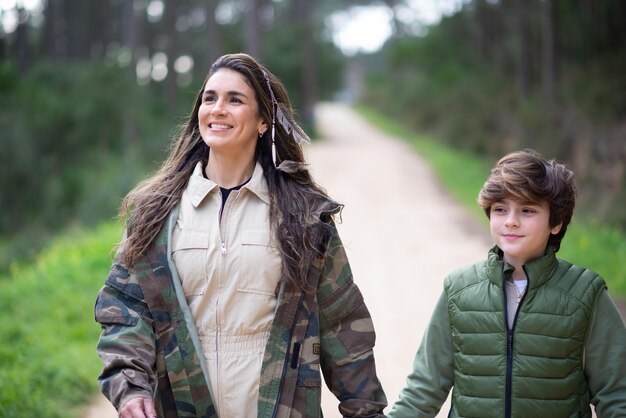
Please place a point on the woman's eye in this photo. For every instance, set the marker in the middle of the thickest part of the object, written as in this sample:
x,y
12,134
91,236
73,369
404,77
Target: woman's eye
x,y
209,99
235,100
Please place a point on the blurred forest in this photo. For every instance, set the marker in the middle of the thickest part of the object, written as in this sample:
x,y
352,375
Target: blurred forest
x,y
92,90
501,75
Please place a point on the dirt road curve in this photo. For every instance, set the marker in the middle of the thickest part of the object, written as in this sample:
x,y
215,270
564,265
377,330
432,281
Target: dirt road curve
x,y
402,232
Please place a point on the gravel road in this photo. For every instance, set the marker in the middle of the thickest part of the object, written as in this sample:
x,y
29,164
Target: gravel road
x,y
402,232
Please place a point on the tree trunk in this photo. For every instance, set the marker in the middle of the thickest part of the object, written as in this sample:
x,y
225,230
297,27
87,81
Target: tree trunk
x,y
21,51
52,38
129,29
522,53
252,29
214,44
75,33
548,65
171,50
302,13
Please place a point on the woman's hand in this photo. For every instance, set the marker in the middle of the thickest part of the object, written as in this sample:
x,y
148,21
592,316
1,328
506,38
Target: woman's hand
x,y
138,408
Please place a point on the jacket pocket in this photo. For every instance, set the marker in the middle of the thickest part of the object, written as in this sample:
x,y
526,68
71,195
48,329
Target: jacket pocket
x,y
346,314
308,392
260,263
190,252
119,302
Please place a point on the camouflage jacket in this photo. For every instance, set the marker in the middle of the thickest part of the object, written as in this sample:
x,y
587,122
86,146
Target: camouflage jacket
x,y
150,347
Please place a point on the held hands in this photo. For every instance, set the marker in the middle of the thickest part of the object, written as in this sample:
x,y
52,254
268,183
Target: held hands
x,y
138,408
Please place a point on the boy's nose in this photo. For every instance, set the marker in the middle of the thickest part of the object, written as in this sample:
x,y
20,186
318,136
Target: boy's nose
x,y
512,219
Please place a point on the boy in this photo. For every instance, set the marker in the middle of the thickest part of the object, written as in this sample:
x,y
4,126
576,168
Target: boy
x,y
522,334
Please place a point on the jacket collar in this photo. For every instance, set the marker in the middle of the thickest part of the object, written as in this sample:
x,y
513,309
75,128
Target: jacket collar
x,y
199,187
538,270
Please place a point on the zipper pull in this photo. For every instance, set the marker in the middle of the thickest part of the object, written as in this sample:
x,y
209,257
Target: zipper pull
x,y
223,248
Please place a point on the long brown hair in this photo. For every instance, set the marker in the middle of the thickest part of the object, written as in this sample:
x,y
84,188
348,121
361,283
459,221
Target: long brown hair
x,y
297,203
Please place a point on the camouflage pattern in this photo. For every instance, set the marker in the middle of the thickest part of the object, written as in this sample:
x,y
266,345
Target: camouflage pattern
x,y
148,349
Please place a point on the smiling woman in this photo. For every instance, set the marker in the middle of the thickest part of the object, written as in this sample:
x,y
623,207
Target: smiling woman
x,y
238,234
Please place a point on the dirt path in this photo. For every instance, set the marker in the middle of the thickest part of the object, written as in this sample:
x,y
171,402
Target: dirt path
x,y
402,232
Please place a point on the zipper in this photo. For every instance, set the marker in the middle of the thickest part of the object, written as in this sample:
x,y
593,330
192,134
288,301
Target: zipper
x,y
218,319
509,372
509,344
224,209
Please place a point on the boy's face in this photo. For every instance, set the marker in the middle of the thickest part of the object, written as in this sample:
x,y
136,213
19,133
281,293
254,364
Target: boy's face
x,y
521,230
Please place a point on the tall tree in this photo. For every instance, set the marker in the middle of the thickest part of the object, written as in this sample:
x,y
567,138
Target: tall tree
x,y
214,44
252,28
521,28
549,57
21,48
130,41
302,14
51,36
171,51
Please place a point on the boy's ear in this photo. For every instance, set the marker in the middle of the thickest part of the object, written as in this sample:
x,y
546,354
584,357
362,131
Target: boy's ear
x,y
556,229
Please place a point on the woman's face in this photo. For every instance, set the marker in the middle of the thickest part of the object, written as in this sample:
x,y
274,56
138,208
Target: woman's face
x,y
228,116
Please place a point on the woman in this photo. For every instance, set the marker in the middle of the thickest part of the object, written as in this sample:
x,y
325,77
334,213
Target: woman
x,y
231,288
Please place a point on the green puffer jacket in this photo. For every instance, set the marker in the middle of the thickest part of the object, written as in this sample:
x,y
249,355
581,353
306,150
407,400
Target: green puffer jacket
x,y
554,361
150,347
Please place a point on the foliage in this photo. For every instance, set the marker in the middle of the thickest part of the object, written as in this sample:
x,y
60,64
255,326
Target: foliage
x,y
588,243
486,80
600,248
48,363
69,148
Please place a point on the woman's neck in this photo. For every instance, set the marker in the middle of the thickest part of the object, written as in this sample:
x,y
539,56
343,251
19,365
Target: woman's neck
x,y
228,173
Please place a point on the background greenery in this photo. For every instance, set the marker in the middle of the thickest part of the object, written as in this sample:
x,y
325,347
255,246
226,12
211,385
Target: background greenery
x,y
83,117
504,75
48,362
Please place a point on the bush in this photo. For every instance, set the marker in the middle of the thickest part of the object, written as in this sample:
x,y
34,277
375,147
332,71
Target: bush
x,y
75,140
48,363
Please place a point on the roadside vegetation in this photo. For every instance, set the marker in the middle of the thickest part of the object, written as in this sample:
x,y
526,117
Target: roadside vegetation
x,y
48,362
588,242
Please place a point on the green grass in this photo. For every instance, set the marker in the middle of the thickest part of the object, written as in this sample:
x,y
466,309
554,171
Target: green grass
x,y
599,247
48,363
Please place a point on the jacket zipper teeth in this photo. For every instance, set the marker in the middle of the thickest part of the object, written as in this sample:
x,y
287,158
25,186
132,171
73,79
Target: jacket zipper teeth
x,y
223,252
229,202
509,344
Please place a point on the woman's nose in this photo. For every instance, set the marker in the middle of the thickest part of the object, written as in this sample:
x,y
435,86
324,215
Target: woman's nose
x,y
218,108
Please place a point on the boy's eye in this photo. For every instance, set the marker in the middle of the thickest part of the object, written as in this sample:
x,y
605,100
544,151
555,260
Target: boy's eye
x,y
528,210
498,209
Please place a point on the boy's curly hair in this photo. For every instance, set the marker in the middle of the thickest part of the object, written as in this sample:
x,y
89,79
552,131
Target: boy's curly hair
x,y
525,176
